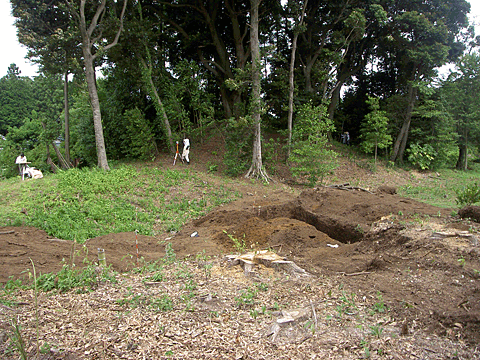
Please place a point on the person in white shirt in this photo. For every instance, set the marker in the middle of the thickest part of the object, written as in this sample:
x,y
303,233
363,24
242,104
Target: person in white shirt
x,y
186,150
21,161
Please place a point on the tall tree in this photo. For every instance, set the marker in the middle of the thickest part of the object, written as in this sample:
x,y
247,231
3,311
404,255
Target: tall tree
x,y
463,102
93,45
16,100
51,37
256,169
422,35
215,33
291,75
375,128
146,65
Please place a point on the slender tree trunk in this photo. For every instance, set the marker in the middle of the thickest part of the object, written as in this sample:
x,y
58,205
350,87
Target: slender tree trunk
x,y
67,119
291,83
97,116
401,141
61,160
152,90
462,161
256,169
87,30
461,157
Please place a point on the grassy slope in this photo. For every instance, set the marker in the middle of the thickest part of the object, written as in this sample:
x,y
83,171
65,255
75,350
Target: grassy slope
x,y
80,204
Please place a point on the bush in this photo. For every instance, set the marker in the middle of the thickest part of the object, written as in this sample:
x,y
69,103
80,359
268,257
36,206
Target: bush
x,y
311,154
468,195
238,147
421,156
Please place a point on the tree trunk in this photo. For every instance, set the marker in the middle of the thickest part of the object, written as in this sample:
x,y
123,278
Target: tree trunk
x,y
95,103
462,161
256,169
462,154
291,84
87,29
401,141
152,91
67,119
61,160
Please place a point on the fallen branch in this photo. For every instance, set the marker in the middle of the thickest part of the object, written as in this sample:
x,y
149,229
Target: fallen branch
x,y
355,274
7,232
347,186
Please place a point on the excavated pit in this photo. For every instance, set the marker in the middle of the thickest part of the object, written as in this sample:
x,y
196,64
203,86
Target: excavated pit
x,y
322,215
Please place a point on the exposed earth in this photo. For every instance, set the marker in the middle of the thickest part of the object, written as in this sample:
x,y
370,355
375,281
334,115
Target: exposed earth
x,y
386,277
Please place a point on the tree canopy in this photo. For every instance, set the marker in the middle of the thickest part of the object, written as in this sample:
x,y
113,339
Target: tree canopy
x,y
189,67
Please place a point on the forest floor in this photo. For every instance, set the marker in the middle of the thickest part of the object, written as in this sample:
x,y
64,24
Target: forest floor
x,y
384,277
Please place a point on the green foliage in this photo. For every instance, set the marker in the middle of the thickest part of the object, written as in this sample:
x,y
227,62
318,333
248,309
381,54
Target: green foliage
x,y
421,156
17,339
374,132
238,146
69,277
436,126
273,153
133,300
238,244
246,298
196,100
170,255
139,141
469,195
163,303
347,304
156,277
376,330
211,167
311,155
460,99
37,129
82,132
379,306
17,100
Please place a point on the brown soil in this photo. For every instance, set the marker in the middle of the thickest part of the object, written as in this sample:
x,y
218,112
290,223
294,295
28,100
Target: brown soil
x,y
370,245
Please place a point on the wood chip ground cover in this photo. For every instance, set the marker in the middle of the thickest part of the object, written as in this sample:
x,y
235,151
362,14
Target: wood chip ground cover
x,y
208,320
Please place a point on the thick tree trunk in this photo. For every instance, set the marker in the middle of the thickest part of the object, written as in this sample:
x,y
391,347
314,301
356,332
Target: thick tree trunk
x,y
67,119
256,169
401,141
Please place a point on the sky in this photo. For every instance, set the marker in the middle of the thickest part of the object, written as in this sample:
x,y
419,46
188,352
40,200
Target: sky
x,y
13,52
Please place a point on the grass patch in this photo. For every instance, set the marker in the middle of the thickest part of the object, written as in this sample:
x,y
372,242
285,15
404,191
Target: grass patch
x,y
441,188
81,204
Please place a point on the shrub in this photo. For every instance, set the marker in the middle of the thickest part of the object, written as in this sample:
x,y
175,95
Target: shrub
x,y
311,154
421,156
468,195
